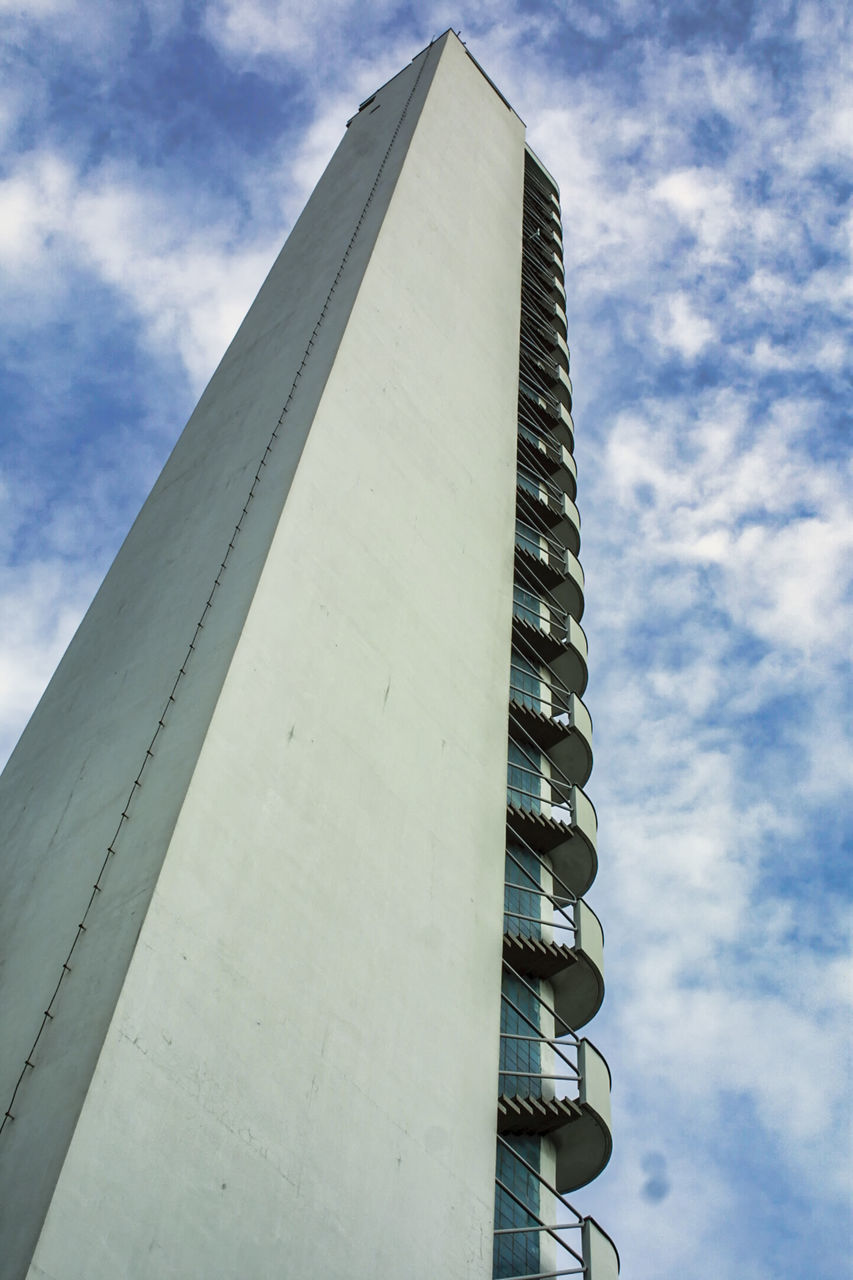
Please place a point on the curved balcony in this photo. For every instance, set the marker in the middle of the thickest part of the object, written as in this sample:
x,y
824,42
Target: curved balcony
x,y
540,193
548,504
564,427
600,1256
549,230
541,248
549,564
538,367
574,1246
549,310
554,817
547,275
570,590
543,411
555,938
549,334
555,719
554,1085
544,559
535,172
537,445
544,628
540,209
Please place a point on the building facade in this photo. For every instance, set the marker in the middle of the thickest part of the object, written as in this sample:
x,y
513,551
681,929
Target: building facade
x,y
274,931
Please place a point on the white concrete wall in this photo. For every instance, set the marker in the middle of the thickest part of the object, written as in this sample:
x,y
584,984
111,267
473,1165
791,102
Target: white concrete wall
x,y
63,791
299,1078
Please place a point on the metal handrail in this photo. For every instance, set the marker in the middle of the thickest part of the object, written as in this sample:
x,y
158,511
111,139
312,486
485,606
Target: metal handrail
x,y
529,315
545,1183
546,371
531,507
526,580
569,893
552,707
541,482
553,1042
533,341
534,276
532,438
533,199
560,803
555,552
533,393
535,242
543,1226
552,228
550,272
529,419
532,285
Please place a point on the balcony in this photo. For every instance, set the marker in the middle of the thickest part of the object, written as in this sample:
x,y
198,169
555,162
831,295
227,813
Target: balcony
x,y
546,272
547,504
539,409
553,635
548,333
551,935
544,558
570,590
529,1243
549,715
553,816
543,373
537,446
552,1084
541,210
551,565
541,246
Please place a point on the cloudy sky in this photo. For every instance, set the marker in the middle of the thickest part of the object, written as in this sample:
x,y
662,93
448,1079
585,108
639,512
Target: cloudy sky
x,y
155,155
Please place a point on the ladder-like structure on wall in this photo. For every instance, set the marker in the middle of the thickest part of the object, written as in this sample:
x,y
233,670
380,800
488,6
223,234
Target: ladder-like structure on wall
x,y
554,1086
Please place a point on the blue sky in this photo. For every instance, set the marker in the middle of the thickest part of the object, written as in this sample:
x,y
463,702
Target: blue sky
x,y
155,155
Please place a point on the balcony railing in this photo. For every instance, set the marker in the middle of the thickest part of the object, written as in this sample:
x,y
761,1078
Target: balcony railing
x,y
551,632
542,501
553,566
547,412
548,714
545,1247
552,814
539,447
556,1084
558,937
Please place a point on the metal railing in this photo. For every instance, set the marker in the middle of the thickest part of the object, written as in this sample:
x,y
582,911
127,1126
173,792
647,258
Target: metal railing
x,y
536,291
556,781
553,1232
555,704
552,553
555,620
536,442
562,920
563,1044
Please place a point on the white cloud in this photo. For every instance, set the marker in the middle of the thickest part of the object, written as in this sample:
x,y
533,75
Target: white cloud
x,y
680,326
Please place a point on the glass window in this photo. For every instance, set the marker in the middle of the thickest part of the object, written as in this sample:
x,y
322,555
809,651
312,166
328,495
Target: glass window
x,y
522,904
525,682
527,606
520,1049
517,1254
530,540
524,777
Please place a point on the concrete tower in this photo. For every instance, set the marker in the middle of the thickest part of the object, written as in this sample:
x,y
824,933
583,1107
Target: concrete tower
x,y
262,981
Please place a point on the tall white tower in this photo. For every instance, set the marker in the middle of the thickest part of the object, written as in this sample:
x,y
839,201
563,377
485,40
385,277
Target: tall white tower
x,y
254,920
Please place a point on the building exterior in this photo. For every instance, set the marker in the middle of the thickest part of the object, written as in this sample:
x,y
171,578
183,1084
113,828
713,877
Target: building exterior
x,y
274,939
